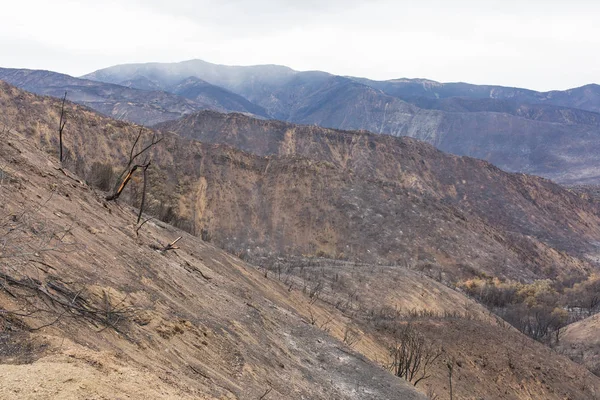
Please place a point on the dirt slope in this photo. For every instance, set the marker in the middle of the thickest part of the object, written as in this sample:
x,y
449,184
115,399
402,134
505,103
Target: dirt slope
x,y
205,323
190,323
581,342
491,359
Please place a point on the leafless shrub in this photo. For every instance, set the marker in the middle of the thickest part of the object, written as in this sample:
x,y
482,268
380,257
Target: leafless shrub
x,y
4,131
101,175
27,234
266,393
431,394
315,291
411,355
450,366
59,300
3,175
323,325
313,318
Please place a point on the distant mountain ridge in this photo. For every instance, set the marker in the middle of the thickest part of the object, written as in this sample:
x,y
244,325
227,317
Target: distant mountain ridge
x,y
247,81
554,134
200,91
517,129
585,97
136,100
565,154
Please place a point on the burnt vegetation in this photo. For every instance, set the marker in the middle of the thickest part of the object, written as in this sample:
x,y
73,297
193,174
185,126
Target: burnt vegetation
x,y
540,309
411,355
38,295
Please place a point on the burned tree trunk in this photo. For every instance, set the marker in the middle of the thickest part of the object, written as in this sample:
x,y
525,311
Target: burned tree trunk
x,y
61,127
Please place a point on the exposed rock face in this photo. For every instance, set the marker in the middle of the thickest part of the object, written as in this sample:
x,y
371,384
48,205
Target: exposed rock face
x,y
396,169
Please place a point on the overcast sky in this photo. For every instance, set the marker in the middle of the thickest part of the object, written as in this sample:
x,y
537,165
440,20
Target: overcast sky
x,y
537,44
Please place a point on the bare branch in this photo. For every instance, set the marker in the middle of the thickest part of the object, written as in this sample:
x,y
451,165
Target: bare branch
x,y
171,246
411,355
145,174
137,230
61,127
264,396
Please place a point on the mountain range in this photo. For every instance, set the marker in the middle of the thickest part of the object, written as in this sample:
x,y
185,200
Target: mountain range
x,y
148,105
552,134
349,232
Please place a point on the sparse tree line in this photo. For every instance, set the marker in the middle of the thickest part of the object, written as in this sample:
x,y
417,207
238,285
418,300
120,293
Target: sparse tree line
x,y
542,308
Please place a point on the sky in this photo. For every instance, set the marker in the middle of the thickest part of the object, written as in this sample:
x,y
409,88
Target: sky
x,y
541,45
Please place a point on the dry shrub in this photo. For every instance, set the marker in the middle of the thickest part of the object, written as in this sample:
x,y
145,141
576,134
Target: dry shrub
x,y
101,175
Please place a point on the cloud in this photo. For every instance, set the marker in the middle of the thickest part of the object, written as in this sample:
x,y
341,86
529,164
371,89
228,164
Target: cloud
x,y
541,45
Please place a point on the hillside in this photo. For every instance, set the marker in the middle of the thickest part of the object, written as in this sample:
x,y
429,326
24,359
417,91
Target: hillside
x,y
96,312
581,343
199,323
356,204
421,179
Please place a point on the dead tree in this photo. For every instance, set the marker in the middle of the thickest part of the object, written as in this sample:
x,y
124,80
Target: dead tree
x,y
450,365
61,127
143,202
126,175
411,355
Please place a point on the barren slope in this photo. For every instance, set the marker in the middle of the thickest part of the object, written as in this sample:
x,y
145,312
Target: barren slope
x,y
190,323
212,326
581,342
424,184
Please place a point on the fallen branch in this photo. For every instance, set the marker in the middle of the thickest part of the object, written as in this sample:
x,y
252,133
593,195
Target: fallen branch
x,y
266,393
171,246
137,230
69,301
